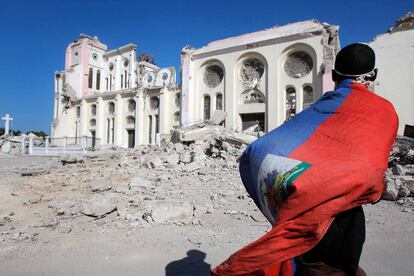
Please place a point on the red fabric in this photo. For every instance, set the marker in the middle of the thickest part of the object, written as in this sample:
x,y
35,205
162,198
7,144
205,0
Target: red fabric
x,y
349,154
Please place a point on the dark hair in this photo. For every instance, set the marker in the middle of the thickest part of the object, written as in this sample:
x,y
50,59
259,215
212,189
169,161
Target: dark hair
x,y
353,60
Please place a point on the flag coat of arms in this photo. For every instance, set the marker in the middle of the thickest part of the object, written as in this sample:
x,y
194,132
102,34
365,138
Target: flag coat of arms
x,y
327,159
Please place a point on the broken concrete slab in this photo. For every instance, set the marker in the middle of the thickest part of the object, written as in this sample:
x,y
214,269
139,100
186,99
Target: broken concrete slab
x,y
239,138
189,135
219,116
169,211
100,185
140,183
72,159
97,206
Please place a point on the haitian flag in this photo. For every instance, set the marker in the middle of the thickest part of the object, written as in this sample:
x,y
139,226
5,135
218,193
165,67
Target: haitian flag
x,y
327,159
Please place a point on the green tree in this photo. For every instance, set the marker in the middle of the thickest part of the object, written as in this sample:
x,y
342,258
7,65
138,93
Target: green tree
x,y
38,133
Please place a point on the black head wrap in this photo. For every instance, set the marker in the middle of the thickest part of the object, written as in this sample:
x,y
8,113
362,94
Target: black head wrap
x,y
355,59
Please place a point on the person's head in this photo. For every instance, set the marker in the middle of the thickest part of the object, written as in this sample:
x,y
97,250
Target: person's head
x,y
355,61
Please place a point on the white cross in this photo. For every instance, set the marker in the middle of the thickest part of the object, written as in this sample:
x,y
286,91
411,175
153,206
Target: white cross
x,y
7,120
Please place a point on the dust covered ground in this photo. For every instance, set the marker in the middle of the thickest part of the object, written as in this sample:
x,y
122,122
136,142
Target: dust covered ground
x,y
152,212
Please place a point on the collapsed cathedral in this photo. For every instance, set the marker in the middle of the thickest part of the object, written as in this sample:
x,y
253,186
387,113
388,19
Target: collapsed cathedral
x,y
262,78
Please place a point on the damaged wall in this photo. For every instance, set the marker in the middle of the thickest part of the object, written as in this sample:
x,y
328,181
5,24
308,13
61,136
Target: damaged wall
x,y
298,56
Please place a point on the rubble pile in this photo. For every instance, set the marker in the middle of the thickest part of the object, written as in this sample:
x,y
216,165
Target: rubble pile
x,y
400,173
193,181
175,183
10,145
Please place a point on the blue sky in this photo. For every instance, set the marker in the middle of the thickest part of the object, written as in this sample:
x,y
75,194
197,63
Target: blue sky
x,y
34,35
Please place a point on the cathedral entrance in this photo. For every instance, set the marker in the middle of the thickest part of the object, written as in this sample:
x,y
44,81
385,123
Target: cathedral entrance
x,y
93,134
251,119
131,138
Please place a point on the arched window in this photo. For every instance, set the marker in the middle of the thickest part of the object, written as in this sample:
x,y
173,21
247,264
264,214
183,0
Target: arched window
x,y
154,102
111,108
298,65
98,80
177,100
219,101
93,110
78,111
122,81
290,102
149,129
107,84
131,106
90,77
251,72
213,75
110,82
130,120
307,96
108,130
157,124
126,81
176,119
113,130
207,107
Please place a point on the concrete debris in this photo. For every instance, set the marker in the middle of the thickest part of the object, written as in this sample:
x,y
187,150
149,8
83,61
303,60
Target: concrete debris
x,y
72,159
64,207
219,116
34,172
190,182
400,175
97,206
240,138
10,145
140,183
168,211
100,185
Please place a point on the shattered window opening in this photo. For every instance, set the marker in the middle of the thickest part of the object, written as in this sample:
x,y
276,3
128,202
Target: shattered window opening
x,y
154,102
78,111
219,101
131,105
90,77
93,110
253,96
98,80
177,100
111,108
213,76
307,96
290,102
130,120
176,118
207,106
251,72
298,65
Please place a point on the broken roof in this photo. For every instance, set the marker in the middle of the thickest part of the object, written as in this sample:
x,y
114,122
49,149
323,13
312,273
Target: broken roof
x,y
303,28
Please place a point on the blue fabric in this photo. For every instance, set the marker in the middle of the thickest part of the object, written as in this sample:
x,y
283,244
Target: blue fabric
x,y
283,140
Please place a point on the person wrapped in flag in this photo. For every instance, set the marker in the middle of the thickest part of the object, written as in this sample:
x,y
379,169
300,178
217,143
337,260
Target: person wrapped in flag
x,y
310,176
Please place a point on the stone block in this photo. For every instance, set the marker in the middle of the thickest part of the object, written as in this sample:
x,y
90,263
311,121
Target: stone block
x,y
169,211
97,206
100,185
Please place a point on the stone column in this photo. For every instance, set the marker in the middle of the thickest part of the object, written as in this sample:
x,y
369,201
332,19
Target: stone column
x,y
83,118
274,110
163,112
119,121
139,118
230,101
118,71
100,121
133,65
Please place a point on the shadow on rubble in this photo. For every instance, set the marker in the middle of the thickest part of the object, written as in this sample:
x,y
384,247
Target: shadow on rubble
x,y
193,264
